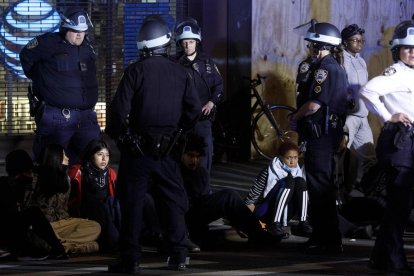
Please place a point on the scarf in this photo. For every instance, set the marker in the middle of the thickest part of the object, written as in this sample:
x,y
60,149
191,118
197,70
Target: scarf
x,y
278,170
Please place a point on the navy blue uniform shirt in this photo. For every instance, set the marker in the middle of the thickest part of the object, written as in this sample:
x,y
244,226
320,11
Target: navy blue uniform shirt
x,y
330,86
63,75
208,81
157,95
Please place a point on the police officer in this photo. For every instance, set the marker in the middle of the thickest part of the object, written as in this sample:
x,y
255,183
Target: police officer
x,y
356,125
390,97
63,71
207,80
320,120
158,98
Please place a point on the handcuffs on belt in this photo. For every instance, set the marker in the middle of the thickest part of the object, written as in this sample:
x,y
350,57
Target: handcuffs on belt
x,y
66,113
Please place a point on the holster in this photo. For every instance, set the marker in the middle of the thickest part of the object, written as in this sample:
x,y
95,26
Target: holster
x,y
148,144
402,133
313,126
34,102
211,116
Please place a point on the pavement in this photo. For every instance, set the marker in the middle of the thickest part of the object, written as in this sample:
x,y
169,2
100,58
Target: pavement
x,y
228,254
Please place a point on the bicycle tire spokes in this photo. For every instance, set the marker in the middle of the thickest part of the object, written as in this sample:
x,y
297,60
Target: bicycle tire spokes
x,y
270,128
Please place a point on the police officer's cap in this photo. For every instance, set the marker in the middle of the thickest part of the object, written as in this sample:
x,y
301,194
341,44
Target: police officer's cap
x,y
351,30
323,33
75,19
154,33
188,29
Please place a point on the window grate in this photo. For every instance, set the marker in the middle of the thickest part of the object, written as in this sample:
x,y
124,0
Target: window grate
x,y
113,37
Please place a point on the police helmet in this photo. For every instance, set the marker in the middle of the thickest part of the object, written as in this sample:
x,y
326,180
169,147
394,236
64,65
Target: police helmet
x,y
403,36
188,29
154,36
75,19
323,34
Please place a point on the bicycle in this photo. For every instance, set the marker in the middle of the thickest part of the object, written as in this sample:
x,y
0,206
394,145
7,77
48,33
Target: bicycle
x,y
270,125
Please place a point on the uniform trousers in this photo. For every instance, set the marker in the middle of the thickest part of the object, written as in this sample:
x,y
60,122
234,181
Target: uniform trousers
x,y
203,129
135,174
73,133
388,252
321,188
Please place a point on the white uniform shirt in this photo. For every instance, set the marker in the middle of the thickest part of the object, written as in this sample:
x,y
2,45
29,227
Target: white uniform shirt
x,y
391,93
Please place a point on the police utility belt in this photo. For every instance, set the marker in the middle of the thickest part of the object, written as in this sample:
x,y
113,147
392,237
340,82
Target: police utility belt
x,y
317,124
400,132
148,144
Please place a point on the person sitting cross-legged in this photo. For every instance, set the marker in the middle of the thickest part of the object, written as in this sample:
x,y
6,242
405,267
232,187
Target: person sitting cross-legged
x,y
277,187
92,196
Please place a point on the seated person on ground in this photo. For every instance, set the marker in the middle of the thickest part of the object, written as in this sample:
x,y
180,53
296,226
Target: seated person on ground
x,y
280,190
206,206
52,194
93,193
18,218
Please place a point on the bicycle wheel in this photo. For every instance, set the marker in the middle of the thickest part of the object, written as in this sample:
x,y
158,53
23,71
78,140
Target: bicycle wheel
x,y
266,138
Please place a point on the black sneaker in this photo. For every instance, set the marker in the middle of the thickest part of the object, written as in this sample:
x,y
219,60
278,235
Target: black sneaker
x,y
304,229
177,266
276,229
192,247
121,267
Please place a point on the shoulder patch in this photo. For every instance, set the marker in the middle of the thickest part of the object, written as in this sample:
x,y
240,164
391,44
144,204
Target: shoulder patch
x,y
389,71
32,44
304,67
320,75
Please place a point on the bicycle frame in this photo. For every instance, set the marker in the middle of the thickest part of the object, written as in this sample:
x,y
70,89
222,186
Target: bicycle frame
x,y
259,102
267,132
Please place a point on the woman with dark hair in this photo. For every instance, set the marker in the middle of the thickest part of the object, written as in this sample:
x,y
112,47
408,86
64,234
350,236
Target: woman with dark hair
x,y
52,195
93,192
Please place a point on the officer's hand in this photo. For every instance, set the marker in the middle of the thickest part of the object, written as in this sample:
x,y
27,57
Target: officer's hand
x,y
401,117
207,108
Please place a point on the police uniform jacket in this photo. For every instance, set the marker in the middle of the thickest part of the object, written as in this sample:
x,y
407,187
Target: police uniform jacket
x,y
329,87
356,70
63,75
207,78
391,93
157,95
